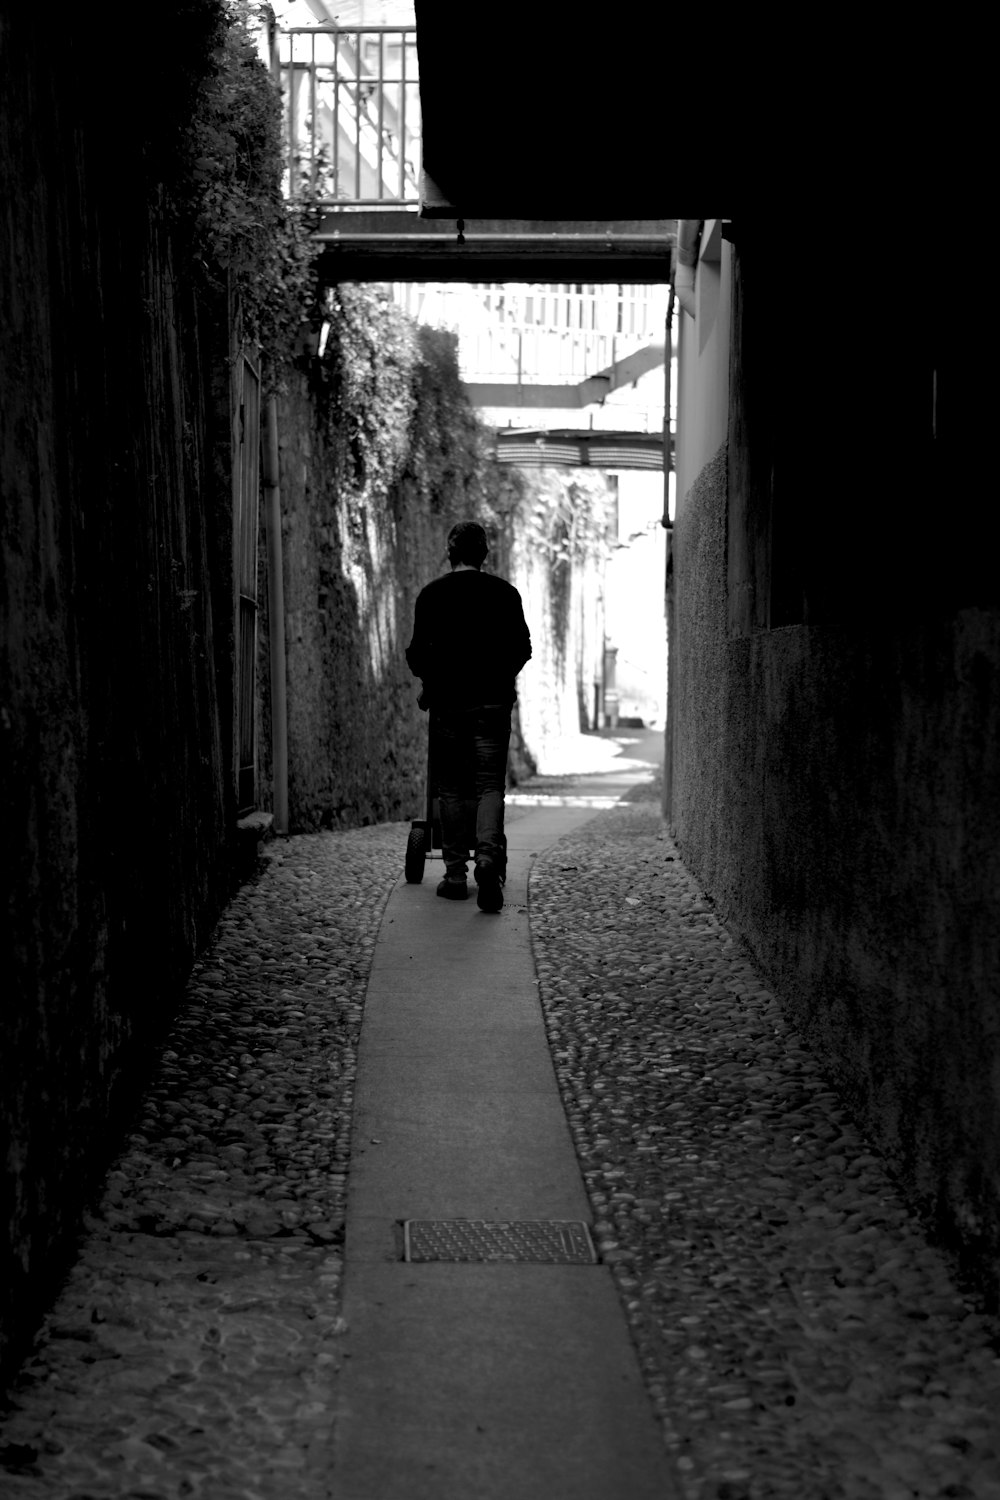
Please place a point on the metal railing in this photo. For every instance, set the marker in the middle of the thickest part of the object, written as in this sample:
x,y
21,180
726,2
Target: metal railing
x,y
518,333
351,103
629,311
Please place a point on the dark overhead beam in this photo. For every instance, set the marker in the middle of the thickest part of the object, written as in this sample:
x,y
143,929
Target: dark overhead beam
x,y
414,263
353,223
399,246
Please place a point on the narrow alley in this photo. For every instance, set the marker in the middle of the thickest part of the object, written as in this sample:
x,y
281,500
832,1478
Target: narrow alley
x,y
380,460
792,1329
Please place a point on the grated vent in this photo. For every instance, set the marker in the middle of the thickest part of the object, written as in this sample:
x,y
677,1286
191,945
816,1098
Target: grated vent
x,y
550,1241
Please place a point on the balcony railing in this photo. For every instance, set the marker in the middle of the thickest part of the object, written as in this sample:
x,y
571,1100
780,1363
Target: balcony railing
x,y
532,332
351,115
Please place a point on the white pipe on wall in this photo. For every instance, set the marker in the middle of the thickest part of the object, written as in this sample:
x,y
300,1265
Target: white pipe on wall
x,y
688,235
276,618
668,397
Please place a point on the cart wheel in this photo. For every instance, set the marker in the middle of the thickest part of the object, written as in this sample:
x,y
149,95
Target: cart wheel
x,y
416,853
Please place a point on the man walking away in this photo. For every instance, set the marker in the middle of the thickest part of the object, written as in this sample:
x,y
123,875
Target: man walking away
x,y
469,642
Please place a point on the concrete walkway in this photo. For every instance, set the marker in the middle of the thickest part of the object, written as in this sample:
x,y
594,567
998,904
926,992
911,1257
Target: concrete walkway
x,y
476,1381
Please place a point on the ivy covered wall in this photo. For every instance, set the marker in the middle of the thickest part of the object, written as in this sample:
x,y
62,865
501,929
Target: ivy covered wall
x,y
380,454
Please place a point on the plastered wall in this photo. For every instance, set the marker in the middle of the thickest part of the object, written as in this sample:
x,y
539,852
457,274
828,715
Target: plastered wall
x,y
835,776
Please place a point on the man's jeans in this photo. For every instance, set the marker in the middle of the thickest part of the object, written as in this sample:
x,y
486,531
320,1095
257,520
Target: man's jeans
x,y
469,765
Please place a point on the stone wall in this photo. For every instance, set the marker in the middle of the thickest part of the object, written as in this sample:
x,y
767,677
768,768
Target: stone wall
x,y
836,750
357,552
357,741
359,542
116,624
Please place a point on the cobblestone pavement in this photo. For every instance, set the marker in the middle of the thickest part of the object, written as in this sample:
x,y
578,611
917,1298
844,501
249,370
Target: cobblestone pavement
x,y
194,1348
798,1335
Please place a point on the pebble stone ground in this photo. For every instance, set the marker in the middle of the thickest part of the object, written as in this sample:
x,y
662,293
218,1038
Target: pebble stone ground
x,y
193,1350
798,1335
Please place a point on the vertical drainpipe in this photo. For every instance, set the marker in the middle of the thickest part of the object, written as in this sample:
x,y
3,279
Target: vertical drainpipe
x,y
686,263
668,584
276,618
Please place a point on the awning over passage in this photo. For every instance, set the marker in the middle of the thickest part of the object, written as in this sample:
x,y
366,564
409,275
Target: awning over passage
x,y
580,449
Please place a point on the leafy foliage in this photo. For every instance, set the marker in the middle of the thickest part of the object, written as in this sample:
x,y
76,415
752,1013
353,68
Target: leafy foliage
x,y
448,457
227,190
388,394
397,422
363,385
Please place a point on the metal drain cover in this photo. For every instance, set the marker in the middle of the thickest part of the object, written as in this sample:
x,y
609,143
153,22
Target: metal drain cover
x,y
552,1241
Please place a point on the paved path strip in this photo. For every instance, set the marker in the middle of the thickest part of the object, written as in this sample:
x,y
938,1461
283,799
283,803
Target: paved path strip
x,y
799,1337
495,1381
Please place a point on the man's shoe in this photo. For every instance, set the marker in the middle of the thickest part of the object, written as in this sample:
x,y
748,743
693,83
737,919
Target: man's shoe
x,y
490,894
454,890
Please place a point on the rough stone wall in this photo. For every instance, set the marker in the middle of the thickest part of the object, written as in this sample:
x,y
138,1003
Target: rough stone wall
x,y
834,789
355,558
357,741
354,561
116,631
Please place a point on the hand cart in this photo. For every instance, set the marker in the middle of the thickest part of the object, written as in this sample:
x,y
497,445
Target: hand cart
x,y
425,833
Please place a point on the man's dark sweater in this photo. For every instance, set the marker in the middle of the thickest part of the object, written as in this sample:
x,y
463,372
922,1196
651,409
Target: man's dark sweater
x,y
470,640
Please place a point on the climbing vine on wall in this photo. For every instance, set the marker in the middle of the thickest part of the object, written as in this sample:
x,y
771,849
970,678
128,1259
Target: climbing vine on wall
x,y
388,395
225,188
449,457
363,385
396,420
